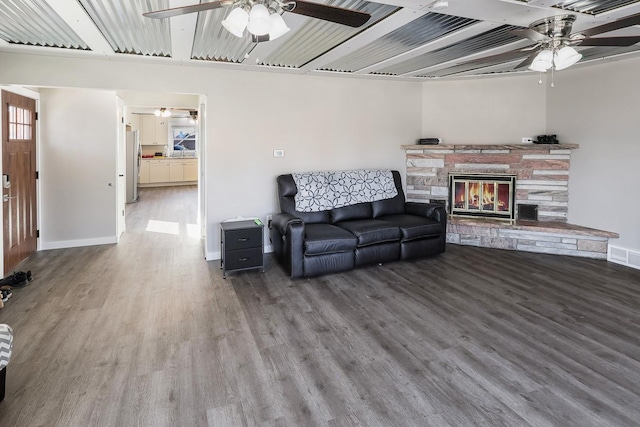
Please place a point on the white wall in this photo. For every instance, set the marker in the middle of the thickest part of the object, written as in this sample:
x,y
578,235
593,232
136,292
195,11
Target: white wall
x,y
78,137
496,110
597,107
320,122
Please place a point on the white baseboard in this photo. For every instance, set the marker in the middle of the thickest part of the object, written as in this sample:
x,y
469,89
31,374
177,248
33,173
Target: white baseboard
x,y
212,256
624,256
63,244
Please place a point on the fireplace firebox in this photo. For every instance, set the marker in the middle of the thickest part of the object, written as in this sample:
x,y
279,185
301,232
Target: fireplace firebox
x,y
482,195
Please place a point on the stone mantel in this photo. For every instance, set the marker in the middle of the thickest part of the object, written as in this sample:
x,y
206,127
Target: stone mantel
x,y
482,147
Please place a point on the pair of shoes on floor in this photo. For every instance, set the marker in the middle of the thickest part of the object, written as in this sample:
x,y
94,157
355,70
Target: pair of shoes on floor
x,y
5,295
18,279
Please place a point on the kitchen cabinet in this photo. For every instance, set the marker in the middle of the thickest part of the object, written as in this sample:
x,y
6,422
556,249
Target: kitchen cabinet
x,y
191,170
134,121
167,170
159,171
154,130
144,172
176,171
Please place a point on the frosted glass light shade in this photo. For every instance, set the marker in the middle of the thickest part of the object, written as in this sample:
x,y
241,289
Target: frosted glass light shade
x,y
259,21
278,26
236,22
566,57
543,61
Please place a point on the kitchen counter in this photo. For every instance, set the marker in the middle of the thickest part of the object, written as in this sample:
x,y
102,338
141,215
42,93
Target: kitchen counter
x,y
169,158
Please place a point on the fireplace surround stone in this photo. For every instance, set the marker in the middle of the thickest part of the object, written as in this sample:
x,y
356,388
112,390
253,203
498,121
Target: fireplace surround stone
x,y
542,179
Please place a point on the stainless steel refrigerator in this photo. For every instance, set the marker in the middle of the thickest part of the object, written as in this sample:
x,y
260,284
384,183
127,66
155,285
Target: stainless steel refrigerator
x,y
133,165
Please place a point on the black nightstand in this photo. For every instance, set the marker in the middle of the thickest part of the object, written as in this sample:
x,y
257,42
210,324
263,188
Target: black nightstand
x,y
241,246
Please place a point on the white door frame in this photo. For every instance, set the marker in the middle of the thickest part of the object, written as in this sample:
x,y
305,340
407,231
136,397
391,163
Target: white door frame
x,y
121,170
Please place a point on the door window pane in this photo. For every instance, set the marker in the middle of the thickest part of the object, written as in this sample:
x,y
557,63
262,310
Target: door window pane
x,y
20,124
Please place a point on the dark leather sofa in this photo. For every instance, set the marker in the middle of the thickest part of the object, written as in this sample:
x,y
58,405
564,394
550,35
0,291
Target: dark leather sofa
x,y
313,243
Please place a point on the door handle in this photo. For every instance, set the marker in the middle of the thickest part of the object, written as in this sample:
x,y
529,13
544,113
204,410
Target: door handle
x,y
5,197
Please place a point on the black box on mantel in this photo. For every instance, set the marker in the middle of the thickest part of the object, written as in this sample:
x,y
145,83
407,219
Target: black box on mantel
x,y
429,141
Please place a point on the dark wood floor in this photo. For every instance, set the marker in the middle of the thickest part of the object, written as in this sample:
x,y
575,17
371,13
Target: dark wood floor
x,y
147,333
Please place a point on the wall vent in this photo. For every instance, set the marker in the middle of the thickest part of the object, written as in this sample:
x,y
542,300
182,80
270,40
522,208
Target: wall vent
x,y
624,256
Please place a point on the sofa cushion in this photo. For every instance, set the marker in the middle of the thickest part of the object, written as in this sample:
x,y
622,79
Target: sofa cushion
x,y
347,213
326,238
371,231
414,227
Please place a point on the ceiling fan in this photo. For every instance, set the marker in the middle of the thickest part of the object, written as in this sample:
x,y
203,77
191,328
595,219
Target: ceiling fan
x,y
554,42
262,18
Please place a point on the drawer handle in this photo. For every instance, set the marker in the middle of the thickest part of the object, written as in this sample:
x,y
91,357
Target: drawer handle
x,y
243,239
243,259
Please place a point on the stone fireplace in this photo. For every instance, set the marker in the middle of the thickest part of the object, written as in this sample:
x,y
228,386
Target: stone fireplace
x,y
482,195
482,187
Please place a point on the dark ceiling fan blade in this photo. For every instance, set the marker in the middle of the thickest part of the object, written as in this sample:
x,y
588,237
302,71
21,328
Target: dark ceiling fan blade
x,y
610,41
527,61
501,57
528,33
611,26
339,15
176,11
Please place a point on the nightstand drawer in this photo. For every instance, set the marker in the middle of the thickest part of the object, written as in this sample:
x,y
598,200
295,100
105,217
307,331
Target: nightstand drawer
x,y
243,258
241,239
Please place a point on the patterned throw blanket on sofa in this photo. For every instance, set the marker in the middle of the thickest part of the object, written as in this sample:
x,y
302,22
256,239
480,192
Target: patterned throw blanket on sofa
x,y
321,191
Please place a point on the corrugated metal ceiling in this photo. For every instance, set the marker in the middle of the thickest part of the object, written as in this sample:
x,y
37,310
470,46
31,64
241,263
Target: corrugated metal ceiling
x,y
414,34
35,23
484,41
49,23
594,7
317,36
127,31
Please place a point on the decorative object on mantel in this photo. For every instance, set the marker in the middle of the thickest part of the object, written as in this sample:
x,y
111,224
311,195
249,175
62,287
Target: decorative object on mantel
x,y
263,18
546,139
429,141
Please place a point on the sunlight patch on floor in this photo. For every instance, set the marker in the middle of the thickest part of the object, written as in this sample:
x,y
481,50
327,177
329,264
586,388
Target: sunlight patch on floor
x,y
165,227
193,230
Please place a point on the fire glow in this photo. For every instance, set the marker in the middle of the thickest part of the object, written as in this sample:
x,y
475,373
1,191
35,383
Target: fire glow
x,y
482,195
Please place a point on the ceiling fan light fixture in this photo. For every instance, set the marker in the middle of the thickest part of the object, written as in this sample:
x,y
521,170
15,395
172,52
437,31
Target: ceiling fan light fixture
x,y
543,61
566,57
157,112
236,22
259,20
278,26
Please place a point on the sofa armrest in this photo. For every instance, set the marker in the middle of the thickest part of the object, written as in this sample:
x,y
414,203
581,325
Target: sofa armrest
x,y
287,236
281,222
429,210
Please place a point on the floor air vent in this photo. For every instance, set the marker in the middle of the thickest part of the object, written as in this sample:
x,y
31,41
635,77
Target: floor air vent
x,y
624,256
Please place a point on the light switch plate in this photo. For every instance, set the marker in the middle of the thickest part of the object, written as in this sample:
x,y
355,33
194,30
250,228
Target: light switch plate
x,y
278,153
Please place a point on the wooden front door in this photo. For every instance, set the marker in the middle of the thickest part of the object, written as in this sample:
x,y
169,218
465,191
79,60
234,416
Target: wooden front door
x,y
18,178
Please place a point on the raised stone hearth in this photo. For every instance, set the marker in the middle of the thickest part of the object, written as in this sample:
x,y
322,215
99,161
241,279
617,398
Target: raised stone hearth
x,y
530,236
542,179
